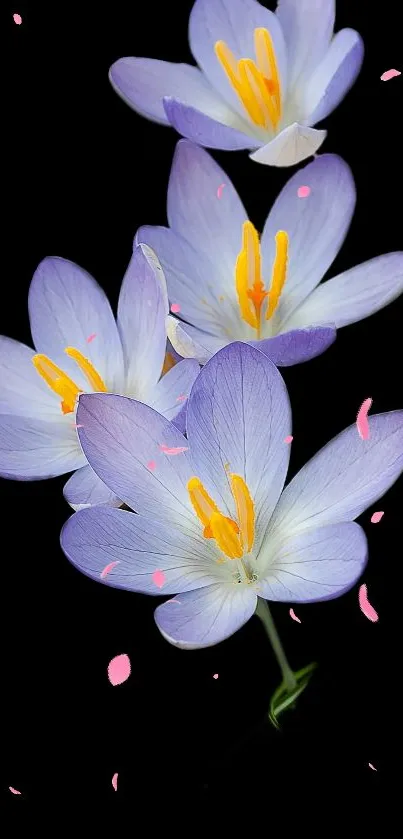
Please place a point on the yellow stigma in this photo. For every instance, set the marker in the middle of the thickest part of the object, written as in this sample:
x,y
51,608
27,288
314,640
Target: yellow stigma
x,y
234,539
169,362
248,280
257,84
60,382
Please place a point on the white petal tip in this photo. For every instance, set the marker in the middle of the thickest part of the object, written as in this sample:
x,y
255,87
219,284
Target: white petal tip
x,y
291,146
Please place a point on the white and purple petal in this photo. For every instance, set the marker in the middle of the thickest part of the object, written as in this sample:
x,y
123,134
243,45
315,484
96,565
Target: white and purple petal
x,y
191,342
292,145
206,616
171,392
307,28
238,417
298,345
23,391
220,132
318,564
32,449
334,76
85,489
135,548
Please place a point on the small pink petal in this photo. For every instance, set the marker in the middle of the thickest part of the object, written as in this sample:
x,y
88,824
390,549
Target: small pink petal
x,y
18,20
77,425
288,439
151,464
14,791
119,669
174,449
158,578
390,74
293,616
181,398
303,191
91,337
372,767
108,568
215,676
365,605
219,190
175,308
115,781
362,419
377,516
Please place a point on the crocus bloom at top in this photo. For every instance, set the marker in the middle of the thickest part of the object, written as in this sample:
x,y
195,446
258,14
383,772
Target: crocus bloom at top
x,y
213,520
232,286
264,80
80,348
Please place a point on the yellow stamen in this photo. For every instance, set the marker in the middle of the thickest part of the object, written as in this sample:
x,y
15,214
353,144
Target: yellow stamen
x,y
203,505
227,540
279,273
257,84
245,511
248,280
58,381
169,362
87,368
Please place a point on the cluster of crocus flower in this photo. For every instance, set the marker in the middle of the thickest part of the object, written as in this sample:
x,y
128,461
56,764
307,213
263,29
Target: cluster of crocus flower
x,y
200,456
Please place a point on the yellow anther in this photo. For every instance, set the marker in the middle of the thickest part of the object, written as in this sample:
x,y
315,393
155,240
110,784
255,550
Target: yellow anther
x,y
58,381
203,505
88,369
279,273
257,84
227,539
169,362
248,280
245,511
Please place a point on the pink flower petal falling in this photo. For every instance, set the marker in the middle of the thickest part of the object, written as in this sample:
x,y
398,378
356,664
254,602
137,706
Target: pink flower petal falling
x,y
390,74
174,449
215,675
365,605
303,191
115,781
181,397
151,464
219,190
91,337
119,669
175,308
158,578
362,419
293,616
18,20
108,568
288,439
372,767
377,516
14,791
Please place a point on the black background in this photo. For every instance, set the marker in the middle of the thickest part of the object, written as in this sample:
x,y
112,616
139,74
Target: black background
x,y
81,172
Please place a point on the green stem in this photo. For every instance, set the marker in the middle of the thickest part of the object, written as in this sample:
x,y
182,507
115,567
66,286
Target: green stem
x,y
263,612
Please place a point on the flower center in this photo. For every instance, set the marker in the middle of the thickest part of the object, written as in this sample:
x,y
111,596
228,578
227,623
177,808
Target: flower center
x,y
257,84
234,538
248,280
60,382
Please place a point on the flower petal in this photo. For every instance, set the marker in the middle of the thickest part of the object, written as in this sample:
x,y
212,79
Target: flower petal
x,y
192,279
316,228
142,311
213,226
234,22
219,132
144,82
318,564
205,617
85,489
32,449
307,29
298,345
292,145
191,342
121,439
92,539
334,76
344,478
238,416
168,395
22,391
353,295
66,307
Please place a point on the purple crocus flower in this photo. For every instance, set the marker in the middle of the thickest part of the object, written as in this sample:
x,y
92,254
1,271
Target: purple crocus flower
x,y
230,286
262,82
81,348
213,519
